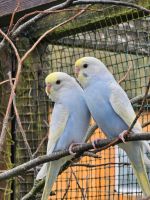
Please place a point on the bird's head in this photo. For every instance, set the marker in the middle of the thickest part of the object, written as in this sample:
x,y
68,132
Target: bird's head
x,y
56,83
86,68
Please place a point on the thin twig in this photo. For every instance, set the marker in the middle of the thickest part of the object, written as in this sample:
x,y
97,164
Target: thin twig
x,y
145,124
47,12
40,16
12,17
138,98
32,21
91,154
12,45
1,83
141,108
51,30
125,76
86,189
68,186
96,165
78,184
46,123
40,145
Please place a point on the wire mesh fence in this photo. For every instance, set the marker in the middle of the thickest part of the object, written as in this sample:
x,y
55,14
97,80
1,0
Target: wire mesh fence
x,y
120,38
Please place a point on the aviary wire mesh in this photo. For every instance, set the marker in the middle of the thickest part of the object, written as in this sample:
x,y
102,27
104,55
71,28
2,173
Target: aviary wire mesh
x,y
120,38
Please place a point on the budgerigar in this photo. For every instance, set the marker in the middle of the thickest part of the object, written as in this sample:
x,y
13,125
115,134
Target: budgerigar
x,y
113,112
69,122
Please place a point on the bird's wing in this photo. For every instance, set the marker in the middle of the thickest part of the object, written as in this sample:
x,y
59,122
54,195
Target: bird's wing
x,y
58,123
122,106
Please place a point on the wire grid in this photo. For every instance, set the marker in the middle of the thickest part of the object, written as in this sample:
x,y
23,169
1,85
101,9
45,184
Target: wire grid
x,y
119,45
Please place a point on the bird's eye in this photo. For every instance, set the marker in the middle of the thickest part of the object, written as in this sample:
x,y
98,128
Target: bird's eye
x,y
85,65
58,82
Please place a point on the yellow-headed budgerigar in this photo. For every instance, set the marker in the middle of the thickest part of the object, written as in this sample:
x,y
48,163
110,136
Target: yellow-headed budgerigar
x,y
113,112
69,122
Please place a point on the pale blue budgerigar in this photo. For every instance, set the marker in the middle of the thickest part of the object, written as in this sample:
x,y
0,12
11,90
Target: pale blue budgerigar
x,y
69,122
113,112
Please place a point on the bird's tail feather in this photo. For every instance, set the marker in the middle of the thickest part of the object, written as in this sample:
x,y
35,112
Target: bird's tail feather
x,y
141,175
136,156
146,149
42,173
51,175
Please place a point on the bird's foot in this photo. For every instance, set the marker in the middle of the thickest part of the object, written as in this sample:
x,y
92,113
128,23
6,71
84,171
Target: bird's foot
x,y
122,135
94,143
71,146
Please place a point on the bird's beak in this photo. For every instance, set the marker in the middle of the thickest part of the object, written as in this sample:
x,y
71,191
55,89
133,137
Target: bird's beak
x,y
48,89
77,71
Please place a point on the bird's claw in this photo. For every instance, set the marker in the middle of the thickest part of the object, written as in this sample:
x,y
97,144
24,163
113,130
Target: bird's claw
x,y
94,143
121,136
71,146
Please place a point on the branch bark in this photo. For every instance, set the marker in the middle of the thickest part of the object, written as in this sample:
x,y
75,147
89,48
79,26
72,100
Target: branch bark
x,y
31,21
67,4
111,2
57,155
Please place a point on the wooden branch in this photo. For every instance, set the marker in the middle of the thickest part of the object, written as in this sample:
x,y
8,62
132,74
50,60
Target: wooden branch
x,y
38,185
68,186
111,2
138,98
125,76
42,12
51,30
78,184
57,155
145,124
40,145
73,30
97,165
12,17
12,44
28,23
21,28
141,108
97,20
6,81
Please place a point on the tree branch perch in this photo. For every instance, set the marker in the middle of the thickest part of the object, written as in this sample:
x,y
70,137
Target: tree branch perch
x,y
57,155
